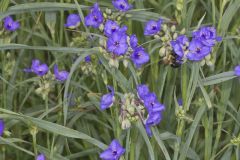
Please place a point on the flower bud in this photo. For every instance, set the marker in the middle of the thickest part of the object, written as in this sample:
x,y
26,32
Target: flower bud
x,y
101,27
156,36
175,35
164,27
126,124
162,51
125,63
105,15
173,28
108,11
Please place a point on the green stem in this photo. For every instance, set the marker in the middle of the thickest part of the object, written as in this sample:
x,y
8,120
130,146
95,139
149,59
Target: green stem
x,y
46,110
34,145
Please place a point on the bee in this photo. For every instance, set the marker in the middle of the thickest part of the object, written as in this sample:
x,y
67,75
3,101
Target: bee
x,y
173,60
176,61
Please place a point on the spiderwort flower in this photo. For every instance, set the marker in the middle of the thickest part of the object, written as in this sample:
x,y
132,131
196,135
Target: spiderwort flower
x,y
152,27
139,57
117,42
178,45
207,35
133,41
152,104
110,27
107,99
154,118
60,75
10,24
197,51
121,5
95,17
237,70
37,68
142,91
41,157
2,127
73,21
113,152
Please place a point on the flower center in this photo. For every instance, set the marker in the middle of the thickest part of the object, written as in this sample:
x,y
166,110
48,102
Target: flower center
x,y
113,29
198,49
116,43
9,25
122,6
95,17
114,153
154,27
152,103
138,55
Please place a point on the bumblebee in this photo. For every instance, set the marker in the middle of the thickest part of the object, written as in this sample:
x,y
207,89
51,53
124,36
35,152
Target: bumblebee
x,y
173,59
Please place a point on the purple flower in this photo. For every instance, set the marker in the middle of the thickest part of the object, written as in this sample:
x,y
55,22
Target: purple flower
x,y
110,27
154,118
117,42
10,24
139,57
37,68
88,59
152,27
60,75
237,70
178,45
121,5
152,104
95,17
107,99
197,51
207,35
41,157
142,91
133,41
113,152
2,127
73,21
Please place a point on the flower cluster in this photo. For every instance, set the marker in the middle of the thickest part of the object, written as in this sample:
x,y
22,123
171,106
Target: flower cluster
x,y
202,42
47,79
42,69
177,48
153,106
118,44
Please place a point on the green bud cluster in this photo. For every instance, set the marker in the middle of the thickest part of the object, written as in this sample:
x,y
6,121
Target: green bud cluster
x,y
9,65
79,40
88,68
235,140
130,111
45,84
180,113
